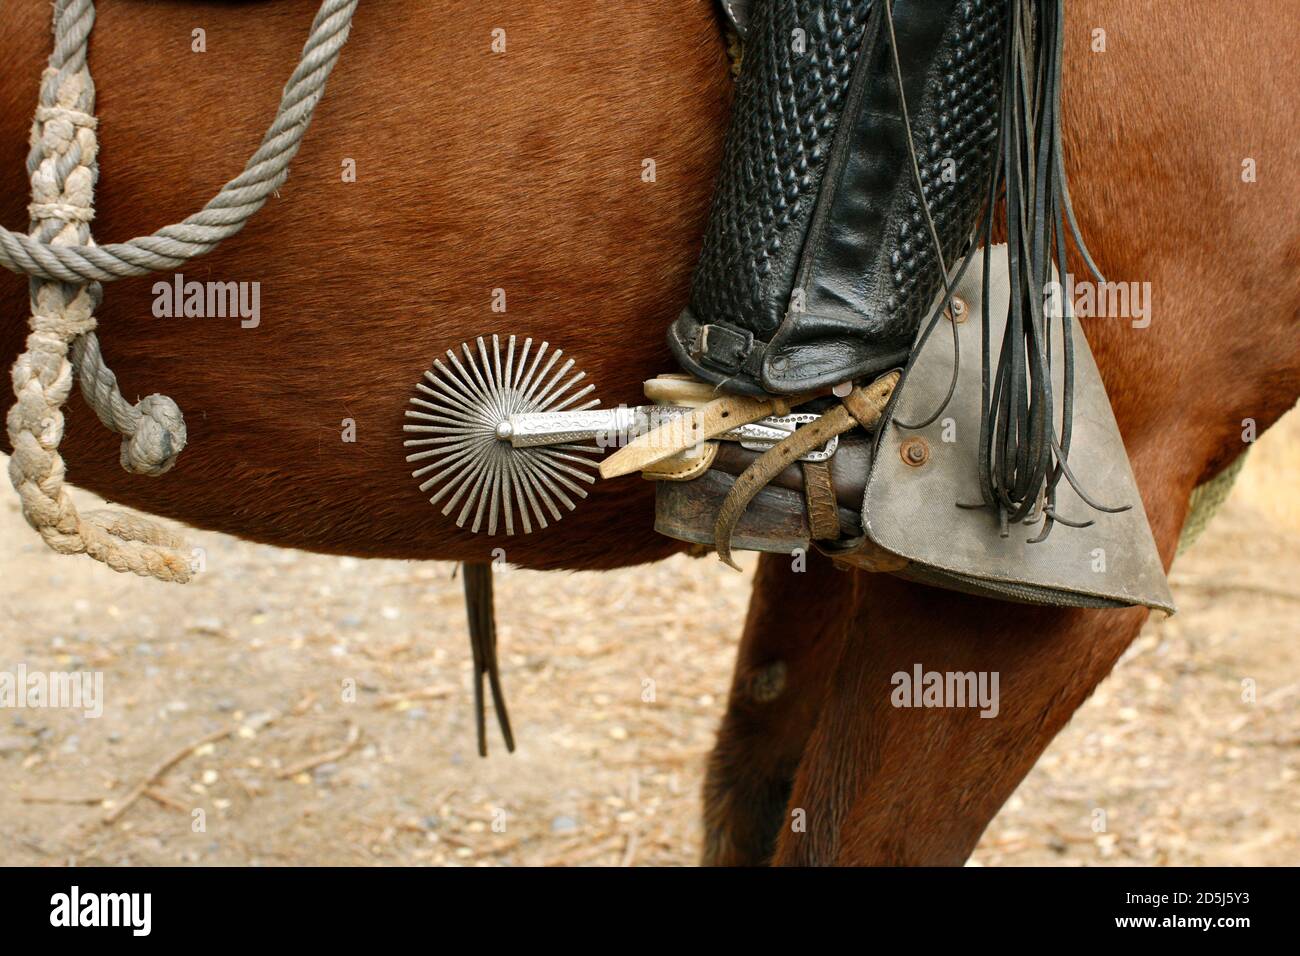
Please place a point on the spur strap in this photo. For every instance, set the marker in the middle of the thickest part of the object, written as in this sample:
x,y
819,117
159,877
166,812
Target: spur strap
x,y
861,407
685,466
819,497
481,614
699,425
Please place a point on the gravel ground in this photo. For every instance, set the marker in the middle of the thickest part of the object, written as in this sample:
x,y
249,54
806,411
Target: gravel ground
x,y
317,711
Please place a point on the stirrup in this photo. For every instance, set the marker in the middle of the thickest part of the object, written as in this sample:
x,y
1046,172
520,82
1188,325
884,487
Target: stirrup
x,y
899,491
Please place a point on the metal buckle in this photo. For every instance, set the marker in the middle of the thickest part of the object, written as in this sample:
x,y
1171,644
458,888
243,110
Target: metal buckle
x,y
762,435
721,348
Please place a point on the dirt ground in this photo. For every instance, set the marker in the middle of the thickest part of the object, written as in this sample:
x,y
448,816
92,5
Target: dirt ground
x,y
318,711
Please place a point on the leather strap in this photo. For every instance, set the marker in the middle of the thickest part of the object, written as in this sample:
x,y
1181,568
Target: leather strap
x,y
699,425
862,406
850,466
770,464
868,404
683,467
481,612
819,494
862,553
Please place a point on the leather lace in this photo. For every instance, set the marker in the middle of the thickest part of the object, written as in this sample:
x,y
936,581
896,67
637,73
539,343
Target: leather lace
x,y
1022,454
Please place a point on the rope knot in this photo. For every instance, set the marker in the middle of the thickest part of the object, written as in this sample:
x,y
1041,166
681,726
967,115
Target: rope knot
x,y
64,325
75,118
62,211
158,439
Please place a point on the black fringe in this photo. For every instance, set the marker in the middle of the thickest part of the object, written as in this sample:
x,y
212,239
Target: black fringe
x,y
1022,456
480,609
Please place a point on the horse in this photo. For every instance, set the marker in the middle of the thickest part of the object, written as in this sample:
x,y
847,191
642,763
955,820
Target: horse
x,y
511,166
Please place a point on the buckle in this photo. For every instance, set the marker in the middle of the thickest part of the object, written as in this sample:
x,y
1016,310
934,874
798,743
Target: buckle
x,y
721,348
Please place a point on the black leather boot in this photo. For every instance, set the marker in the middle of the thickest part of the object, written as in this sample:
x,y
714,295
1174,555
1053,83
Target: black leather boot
x,y
819,262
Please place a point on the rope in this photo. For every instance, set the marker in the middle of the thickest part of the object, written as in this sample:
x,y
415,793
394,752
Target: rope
x,y
67,268
153,429
232,207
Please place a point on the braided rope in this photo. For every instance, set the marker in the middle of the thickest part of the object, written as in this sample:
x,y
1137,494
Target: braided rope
x,y
67,268
231,208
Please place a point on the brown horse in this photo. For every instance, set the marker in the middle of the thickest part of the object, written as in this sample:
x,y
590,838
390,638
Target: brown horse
x,y
523,171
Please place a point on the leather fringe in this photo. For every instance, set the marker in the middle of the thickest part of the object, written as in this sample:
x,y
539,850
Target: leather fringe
x,y
480,610
1023,455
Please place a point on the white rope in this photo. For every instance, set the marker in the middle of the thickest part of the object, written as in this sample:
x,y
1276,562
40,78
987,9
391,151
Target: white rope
x,y
67,267
228,211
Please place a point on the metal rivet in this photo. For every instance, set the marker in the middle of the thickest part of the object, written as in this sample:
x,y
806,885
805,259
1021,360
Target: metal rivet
x,y
958,311
842,390
915,452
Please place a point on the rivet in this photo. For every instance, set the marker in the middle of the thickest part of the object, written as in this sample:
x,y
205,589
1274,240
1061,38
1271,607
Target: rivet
x,y
842,390
915,452
958,311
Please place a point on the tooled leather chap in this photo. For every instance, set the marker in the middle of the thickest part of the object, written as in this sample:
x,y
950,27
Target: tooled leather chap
x,y
818,263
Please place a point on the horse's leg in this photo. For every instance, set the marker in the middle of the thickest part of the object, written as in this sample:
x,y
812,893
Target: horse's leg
x,y
792,633
885,784
880,784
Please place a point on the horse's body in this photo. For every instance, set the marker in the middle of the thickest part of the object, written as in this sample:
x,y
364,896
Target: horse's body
x,y
523,171
475,171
